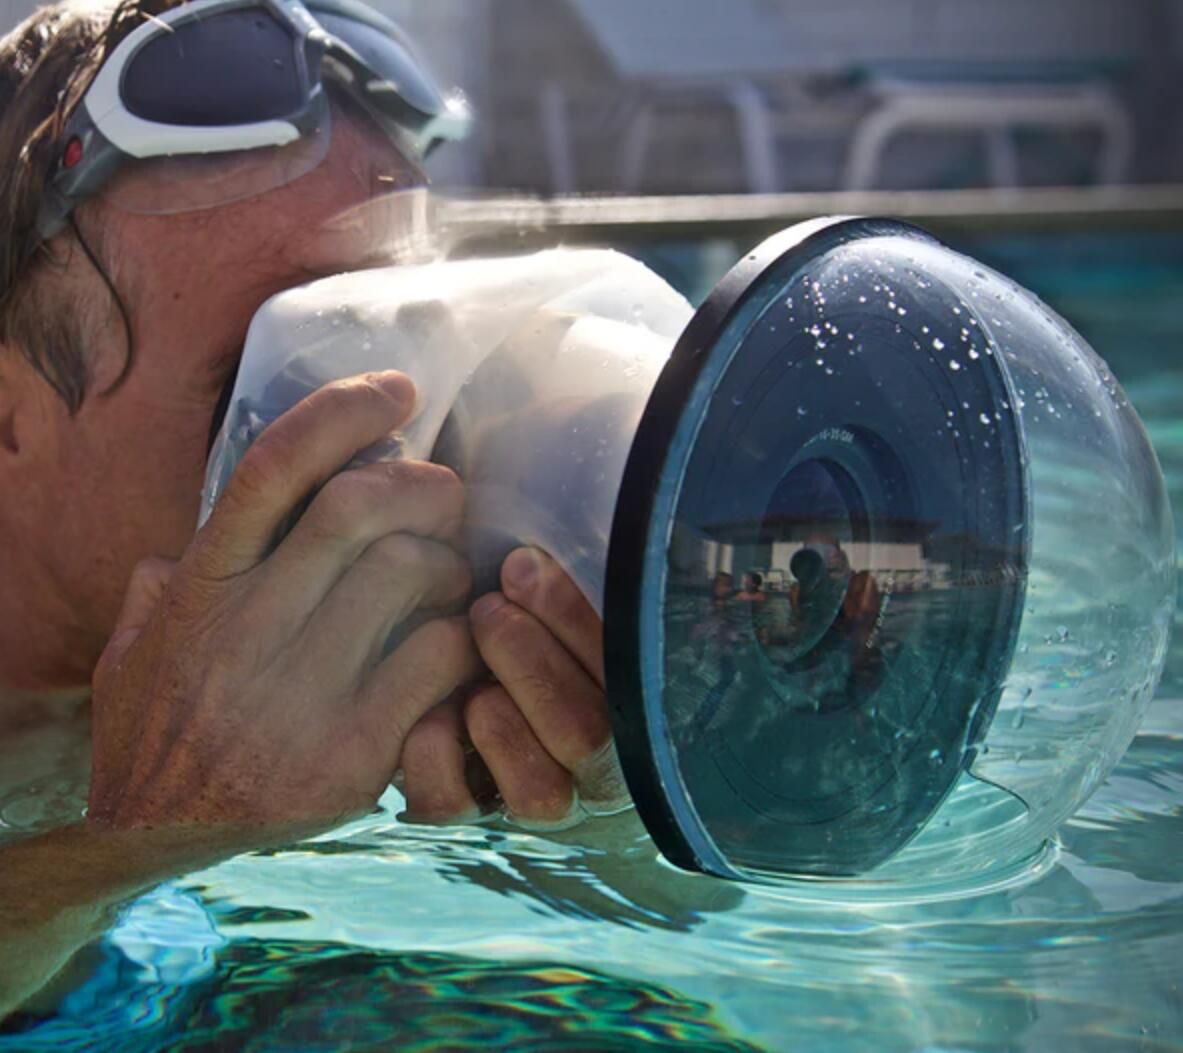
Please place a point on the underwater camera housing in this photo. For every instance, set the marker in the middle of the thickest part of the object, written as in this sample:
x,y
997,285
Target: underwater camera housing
x,y
955,547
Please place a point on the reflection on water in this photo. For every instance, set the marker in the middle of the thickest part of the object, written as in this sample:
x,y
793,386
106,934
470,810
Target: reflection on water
x,y
298,994
474,939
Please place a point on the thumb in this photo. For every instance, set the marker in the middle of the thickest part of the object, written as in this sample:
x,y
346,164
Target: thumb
x,y
148,582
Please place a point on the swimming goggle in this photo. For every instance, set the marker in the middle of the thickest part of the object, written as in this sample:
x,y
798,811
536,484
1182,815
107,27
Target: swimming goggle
x,y
226,99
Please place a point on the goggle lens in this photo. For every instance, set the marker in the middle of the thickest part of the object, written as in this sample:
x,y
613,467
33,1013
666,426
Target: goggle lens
x,y
391,60
235,67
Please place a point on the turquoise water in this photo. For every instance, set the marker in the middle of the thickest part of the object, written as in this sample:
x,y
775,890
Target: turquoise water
x,y
385,936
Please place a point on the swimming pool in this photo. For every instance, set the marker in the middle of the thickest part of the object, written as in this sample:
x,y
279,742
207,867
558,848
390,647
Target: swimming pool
x,y
386,936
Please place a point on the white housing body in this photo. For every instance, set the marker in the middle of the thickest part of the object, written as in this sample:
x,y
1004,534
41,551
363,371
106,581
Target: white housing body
x,y
566,346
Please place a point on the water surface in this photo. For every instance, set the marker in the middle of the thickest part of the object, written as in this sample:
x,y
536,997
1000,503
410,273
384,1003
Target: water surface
x,y
380,935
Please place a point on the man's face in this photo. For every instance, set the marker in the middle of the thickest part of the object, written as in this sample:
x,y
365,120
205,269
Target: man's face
x,y
121,480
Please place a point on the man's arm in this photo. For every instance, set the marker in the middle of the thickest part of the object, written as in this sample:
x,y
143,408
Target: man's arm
x,y
245,692
60,890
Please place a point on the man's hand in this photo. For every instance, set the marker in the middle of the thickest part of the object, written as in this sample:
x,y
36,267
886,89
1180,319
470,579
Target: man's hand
x,y
542,728
245,685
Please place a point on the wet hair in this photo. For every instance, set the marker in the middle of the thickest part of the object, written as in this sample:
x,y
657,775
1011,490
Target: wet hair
x,y
46,64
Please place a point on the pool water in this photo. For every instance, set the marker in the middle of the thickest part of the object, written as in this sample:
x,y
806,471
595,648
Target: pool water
x,y
381,935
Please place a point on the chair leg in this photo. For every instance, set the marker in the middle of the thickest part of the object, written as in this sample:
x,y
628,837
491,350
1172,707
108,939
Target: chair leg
x,y
1117,130
556,138
1001,157
634,146
755,136
867,145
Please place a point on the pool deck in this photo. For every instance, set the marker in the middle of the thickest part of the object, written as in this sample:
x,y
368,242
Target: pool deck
x,y
496,221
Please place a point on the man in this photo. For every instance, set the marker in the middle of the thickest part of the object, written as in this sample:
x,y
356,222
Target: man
x,y
239,691
752,590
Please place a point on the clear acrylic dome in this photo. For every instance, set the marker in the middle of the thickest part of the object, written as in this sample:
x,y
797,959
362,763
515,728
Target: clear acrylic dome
x,y
957,562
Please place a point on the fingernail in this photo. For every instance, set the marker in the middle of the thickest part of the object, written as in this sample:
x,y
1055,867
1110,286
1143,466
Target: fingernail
x,y
486,606
520,569
398,386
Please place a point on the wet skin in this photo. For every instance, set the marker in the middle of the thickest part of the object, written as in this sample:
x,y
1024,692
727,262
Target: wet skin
x,y
242,693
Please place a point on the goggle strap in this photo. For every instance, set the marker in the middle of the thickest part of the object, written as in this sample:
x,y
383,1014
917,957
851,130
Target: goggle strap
x,y
73,185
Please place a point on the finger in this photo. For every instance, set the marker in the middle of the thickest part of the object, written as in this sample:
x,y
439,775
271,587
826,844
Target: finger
x,y
600,782
353,511
565,708
148,581
534,581
533,785
397,575
425,669
434,763
290,459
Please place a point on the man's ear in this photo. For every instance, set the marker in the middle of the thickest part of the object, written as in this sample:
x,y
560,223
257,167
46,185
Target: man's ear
x,y
9,442
19,393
